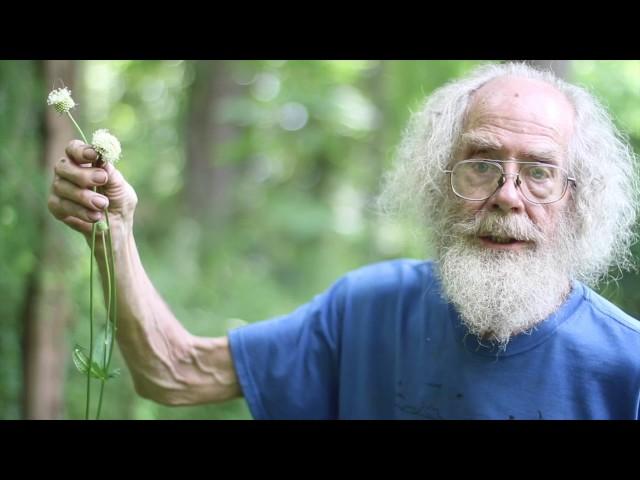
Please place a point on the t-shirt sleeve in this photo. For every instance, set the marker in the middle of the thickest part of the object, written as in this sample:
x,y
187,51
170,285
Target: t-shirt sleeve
x,y
288,366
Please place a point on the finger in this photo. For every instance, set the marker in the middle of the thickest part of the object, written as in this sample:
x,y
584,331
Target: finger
x,y
83,177
80,153
83,196
62,208
78,225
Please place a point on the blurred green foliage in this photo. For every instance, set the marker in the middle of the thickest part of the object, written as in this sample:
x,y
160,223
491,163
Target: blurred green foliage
x,y
22,199
311,141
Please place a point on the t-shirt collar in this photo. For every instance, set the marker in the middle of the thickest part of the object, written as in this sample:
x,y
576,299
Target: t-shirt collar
x,y
523,341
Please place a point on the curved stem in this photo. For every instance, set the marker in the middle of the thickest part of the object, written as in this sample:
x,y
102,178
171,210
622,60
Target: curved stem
x,y
78,127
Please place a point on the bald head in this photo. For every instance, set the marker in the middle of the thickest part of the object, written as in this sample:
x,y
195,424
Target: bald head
x,y
521,106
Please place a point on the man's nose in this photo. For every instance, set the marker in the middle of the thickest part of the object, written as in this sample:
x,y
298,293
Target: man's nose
x,y
508,198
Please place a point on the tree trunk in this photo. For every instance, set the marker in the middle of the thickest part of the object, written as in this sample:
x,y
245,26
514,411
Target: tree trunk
x,y
207,184
47,310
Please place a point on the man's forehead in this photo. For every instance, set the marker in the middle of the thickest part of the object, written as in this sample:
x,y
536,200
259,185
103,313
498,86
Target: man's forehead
x,y
521,105
477,140
518,90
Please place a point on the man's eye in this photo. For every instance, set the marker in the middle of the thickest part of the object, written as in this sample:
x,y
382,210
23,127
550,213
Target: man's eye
x,y
539,173
481,167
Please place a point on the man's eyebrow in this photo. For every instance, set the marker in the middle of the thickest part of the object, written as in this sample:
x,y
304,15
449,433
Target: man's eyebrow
x,y
546,155
476,141
479,141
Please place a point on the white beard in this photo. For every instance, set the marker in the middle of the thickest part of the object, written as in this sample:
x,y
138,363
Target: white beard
x,y
502,293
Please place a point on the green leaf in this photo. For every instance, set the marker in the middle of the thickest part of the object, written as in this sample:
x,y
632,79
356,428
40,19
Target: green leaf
x,y
82,363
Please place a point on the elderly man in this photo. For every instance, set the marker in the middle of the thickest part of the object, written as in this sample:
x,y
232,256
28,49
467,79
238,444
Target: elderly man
x,y
528,191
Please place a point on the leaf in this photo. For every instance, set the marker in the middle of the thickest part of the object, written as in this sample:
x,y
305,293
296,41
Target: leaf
x,y
82,363
81,360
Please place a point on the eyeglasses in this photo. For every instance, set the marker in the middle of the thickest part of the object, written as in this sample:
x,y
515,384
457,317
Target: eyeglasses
x,y
539,183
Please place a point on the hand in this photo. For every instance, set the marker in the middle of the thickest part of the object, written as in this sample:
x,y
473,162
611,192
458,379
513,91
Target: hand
x,y
73,200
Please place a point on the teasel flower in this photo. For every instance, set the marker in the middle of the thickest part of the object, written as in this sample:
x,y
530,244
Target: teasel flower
x,y
61,100
107,146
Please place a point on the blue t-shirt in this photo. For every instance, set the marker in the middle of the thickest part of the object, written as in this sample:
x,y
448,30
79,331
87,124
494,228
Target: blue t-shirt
x,y
381,343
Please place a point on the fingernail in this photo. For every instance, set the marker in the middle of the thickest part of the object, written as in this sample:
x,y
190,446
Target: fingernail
x,y
95,215
99,177
89,153
99,202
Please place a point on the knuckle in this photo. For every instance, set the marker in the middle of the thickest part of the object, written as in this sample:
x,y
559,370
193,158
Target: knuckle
x,y
74,149
67,207
74,223
73,144
59,165
69,148
52,203
85,197
87,178
56,212
90,215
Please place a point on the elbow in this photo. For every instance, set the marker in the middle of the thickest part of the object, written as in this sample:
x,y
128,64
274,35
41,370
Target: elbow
x,y
156,393
170,397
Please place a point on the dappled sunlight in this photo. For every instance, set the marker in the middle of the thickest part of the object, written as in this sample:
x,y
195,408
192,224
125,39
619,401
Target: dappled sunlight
x,y
293,116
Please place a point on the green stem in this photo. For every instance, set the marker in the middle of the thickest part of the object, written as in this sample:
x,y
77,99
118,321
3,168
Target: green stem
x,y
78,127
108,341
111,302
100,398
93,247
111,311
114,290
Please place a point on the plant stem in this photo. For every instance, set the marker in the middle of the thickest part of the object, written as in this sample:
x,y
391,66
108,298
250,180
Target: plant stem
x,y
111,308
79,129
93,247
111,302
107,340
114,291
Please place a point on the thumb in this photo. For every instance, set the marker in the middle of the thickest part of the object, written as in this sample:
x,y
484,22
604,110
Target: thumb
x,y
116,187
114,177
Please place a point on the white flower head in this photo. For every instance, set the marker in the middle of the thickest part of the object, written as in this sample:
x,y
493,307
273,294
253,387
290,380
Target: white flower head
x,y
106,145
61,100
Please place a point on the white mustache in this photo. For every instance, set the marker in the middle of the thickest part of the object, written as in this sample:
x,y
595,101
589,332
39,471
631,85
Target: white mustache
x,y
518,227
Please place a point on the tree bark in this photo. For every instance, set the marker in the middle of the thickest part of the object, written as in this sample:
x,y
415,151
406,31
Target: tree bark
x,y
47,310
207,185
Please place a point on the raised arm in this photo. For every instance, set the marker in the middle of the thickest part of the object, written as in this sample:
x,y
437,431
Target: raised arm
x,y
167,363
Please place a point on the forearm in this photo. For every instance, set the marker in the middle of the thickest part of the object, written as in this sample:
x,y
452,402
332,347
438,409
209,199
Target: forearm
x,y
167,364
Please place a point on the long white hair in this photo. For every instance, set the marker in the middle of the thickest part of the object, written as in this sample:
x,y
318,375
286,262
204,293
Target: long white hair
x,y
604,202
